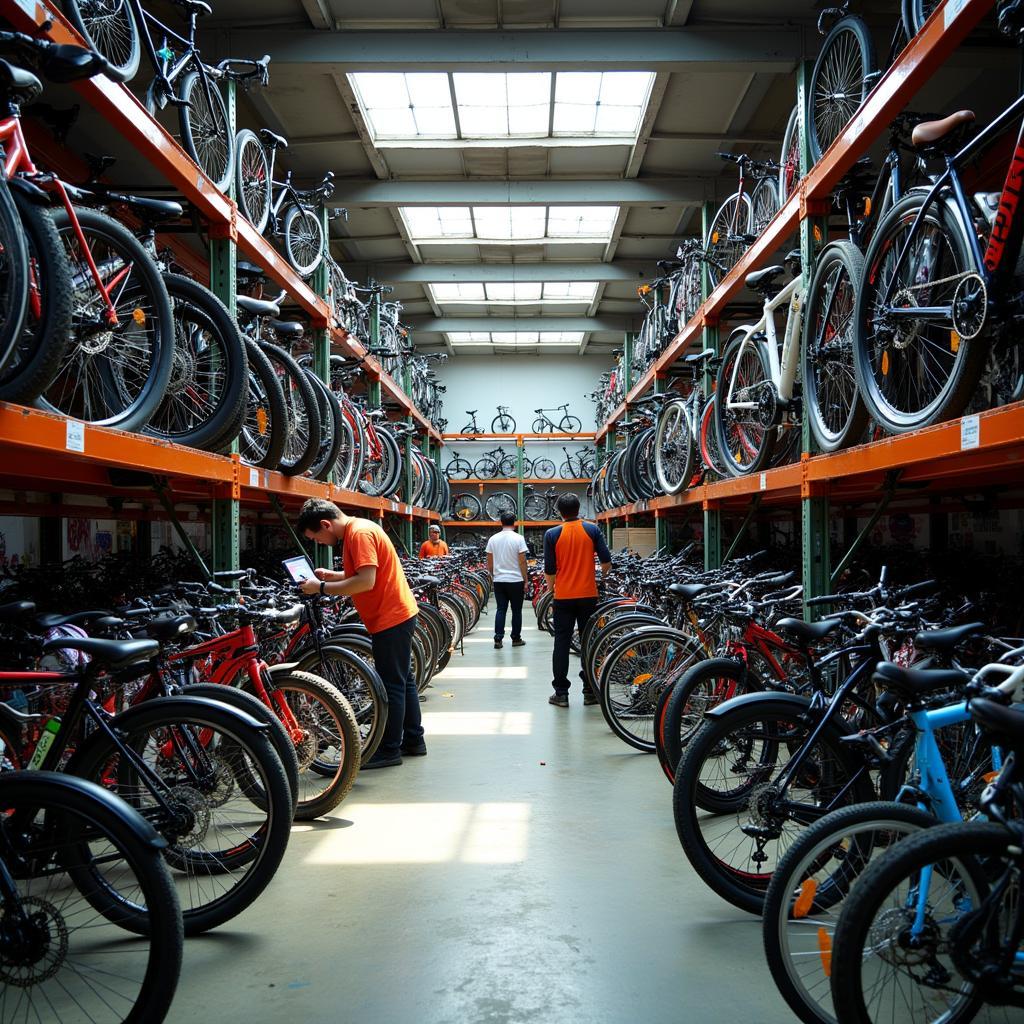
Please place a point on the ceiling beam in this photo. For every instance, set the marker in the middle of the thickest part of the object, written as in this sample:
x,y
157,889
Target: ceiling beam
x,y
664,49
543,191
461,324
630,271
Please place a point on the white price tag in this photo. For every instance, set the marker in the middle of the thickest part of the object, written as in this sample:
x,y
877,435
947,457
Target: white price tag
x,y
254,478
952,10
764,481
970,433
75,438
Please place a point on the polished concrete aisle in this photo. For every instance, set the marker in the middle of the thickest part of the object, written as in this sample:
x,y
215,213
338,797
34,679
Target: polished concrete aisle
x,y
526,870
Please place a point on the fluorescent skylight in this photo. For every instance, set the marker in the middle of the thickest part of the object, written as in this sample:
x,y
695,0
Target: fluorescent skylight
x,y
561,292
496,224
516,339
500,105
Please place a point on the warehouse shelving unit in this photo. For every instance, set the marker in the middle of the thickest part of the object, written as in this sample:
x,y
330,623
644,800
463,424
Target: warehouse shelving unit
x,y
84,459
983,450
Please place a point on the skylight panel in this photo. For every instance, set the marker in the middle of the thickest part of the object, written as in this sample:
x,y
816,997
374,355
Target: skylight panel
x,y
400,105
470,338
507,222
461,292
479,294
438,221
517,339
516,292
573,291
581,221
600,102
503,105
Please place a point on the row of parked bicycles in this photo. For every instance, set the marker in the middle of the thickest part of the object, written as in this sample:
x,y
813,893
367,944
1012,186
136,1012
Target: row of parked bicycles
x,y
852,780
153,755
906,320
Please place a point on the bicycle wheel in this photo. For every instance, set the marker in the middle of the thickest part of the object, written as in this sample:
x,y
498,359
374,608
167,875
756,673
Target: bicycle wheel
x,y
916,13
914,372
204,404
809,889
789,158
486,468
541,425
466,507
836,413
108,26
535,507
503,423
727,770
65,958
728,236
303,239
459,469
302,436
498,503
385,472
543,469
265,426
205,128
842,77
223,844
253,186
674,447
889,979
345,465
14,275
764,204
114,376
42,342
745,443
331,430
570,424
710,453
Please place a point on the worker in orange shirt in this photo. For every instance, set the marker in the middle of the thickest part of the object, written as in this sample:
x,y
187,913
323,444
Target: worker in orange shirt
x,y
373,577
434,547
569,552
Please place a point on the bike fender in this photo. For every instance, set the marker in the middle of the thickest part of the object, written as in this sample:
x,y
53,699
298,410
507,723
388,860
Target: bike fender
x,y
285,668
790,701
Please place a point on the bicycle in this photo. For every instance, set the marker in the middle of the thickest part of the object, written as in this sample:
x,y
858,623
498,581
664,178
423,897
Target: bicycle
x,y
504,422
459,468
540,507
682,429
568,424
578,465
471,427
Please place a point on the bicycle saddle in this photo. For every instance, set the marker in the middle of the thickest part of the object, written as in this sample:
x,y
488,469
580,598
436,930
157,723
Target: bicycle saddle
x,y
471,412
153,210
165,628
699,357
49,620
288,328
945,641
272,139
196,7
18,84
115,653
257,307
807,633
927,133
428,581
14,610
687,591
912,683
244,269
1005,724
763,281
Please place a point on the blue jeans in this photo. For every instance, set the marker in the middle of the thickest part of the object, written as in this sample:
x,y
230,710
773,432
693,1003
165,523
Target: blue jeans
x,y
392,656
506,594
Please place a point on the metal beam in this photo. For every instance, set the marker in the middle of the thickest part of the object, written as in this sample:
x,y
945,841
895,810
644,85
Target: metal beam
x,y
750,138
542,191
663,49
461,324
630,271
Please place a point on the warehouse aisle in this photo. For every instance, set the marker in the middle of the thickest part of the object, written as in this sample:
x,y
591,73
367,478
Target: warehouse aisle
x,y
526,870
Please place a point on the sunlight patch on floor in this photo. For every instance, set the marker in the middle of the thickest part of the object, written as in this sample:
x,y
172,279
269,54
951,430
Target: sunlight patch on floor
x,y
480,672
478,723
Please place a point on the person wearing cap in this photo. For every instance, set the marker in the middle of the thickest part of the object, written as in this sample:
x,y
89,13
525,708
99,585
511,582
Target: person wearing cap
x,y
434,547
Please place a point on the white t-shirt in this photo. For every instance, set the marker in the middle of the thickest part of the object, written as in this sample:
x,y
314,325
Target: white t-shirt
x,y
505,547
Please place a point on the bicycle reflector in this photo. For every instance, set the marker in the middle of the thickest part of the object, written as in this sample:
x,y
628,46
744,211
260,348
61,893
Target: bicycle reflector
x,y
643,289
139,316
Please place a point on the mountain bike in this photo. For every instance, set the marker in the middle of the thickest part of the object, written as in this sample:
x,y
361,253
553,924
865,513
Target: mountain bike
x,y
568,424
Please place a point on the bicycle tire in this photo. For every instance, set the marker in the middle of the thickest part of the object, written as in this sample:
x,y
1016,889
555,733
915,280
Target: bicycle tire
x,y
253,185
503,423
916,13
196,411
42,340
331,430
486,468
302,437
265,423
535,507
466,507
303,239
744,445
826,119
764,204
789,157
499,502
543,469
14,274
710,454
459,469
722,245
673,438
540,425
206,129
391,467
345,464
70,808
255,848
138,375
570,425
111,32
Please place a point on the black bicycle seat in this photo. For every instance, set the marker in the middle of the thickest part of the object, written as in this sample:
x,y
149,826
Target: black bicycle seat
x,y
244,269
196,7
288,328
763,281
149,209
428,581
1006,725
18,84
913,683
699,357
49,620
15,610
807,633
945,641
166,628
687,591
472,412
257,307
115,653
272,139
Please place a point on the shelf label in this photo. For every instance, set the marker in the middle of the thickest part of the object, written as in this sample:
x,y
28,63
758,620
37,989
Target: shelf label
x,y
74,440
970,432
254,478
764,481
952,10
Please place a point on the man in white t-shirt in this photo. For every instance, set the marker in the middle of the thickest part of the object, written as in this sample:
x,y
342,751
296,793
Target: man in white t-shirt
x,y
506,562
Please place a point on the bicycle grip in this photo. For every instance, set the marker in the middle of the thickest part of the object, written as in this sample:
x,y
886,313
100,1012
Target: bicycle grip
x,y
920,588
812,602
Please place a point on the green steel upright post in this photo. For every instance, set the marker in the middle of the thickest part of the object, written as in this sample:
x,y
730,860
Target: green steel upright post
x,y
709,337
321,342
520,490
225,517
408,445
814,507
609,449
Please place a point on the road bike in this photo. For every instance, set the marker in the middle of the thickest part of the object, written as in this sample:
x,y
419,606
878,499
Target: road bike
x,y
568,424
504,422
577,465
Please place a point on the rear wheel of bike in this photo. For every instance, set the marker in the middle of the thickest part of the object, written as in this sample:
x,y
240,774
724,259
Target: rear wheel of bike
x,y
764,204
544,469
112,375
789,157
486,468
14,275
570,425
459,469
253,186
345,465
205,129
744,443
42,342
70,959
204,404
466,507
831,398
503,424
108,26
331,430
674,446
265,426
915,372
385,472
727,237
709,450
302,437
916,13
841,79
303,239
535,507
499,503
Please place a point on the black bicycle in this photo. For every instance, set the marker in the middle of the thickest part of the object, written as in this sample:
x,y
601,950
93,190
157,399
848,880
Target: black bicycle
x,y
566,425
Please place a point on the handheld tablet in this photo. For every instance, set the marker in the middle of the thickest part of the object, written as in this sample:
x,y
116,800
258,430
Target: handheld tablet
x,y
298,568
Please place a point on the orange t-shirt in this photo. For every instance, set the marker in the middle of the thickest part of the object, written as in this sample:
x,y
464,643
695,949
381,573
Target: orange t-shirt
x,y
569,552
430,549
391,602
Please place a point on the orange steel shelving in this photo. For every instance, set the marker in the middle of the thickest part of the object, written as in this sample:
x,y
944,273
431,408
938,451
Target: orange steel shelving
x,y
488,524
583,436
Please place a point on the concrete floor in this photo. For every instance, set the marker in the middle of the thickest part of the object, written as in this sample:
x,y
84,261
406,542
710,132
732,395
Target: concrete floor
x,y
526,870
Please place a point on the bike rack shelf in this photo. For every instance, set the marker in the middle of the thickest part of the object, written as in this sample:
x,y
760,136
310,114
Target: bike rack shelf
x,y
584,436
493,523
515,480
128,117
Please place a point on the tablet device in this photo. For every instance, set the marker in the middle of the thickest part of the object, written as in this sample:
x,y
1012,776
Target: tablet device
x,y
298,569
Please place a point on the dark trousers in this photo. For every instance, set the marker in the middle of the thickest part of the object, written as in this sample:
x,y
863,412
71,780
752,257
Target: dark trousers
x,y
567,616
506,594
392,656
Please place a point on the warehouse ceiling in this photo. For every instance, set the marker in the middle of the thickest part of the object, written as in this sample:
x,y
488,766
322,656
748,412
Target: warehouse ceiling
x,y
515,168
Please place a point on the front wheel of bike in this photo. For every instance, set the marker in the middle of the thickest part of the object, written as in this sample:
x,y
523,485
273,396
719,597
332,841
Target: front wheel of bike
x,y
499,503
466,507
253,185
764,203
503,424
916,13
789,157
303,239
727,237
570,425
674,446
535,507
205,128
744,442
543,469
109,27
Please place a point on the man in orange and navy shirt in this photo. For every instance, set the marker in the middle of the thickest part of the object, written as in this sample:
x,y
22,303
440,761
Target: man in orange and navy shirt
x,y
434,547
569,552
